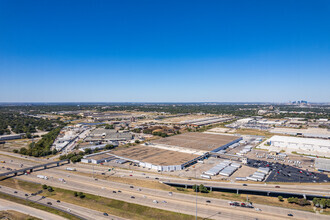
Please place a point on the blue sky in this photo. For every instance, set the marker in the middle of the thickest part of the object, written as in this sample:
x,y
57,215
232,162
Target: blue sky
x,y
164,51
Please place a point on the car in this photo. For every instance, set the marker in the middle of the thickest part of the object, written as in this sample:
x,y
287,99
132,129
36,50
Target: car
x,y
26,194
164,201
49,203
277,187
290,215
257,209
15,191
114,192
147,177
189,179
58,201
131,187
130,175
95,179
156,178
155,201
43,197
208,201
105,214
170,194
119,191
132,197
103,173
138,189
244,184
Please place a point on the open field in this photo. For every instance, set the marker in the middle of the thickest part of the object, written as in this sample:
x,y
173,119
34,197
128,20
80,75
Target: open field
x,y
115,207
17,144
196,140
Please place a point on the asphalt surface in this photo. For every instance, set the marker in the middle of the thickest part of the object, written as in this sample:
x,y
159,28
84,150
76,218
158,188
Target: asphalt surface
x,y
286,173
177,202
82,212
8,205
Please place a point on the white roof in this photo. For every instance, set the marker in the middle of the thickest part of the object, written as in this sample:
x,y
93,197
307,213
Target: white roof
x,y
311,141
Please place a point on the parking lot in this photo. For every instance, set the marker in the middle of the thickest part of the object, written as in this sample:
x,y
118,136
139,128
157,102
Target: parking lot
x,y
286,173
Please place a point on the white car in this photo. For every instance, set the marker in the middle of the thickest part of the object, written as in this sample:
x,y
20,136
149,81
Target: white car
x,y
257,209
155,201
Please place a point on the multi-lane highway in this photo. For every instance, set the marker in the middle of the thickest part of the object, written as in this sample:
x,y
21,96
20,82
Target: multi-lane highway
x,y
177,202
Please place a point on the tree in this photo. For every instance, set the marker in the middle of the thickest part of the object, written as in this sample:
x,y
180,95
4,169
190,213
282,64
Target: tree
x,y
50,189
44,186
203,189
88,151
195,188
137,141
316,202
280,198
323,203
75,194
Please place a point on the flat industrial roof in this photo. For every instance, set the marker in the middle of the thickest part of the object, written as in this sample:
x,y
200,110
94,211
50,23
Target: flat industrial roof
x,y
298,140
153,155
196,140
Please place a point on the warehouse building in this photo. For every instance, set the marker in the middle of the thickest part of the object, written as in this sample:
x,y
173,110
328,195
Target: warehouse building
x,y
309,146
322,164
155,158
11,137
108,135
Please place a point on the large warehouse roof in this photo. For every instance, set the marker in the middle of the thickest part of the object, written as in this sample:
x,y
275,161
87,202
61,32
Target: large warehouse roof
x,y
153,155
322,164
305,141
196,140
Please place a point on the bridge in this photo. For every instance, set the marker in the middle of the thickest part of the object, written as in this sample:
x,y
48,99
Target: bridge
x,y
251,191
30,169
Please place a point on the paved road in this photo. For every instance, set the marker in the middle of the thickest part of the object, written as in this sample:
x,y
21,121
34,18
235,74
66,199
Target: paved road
x,y
178,202
8,205
83,212
321,189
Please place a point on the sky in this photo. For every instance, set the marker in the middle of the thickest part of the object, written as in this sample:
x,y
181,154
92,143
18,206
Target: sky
x,y
164,51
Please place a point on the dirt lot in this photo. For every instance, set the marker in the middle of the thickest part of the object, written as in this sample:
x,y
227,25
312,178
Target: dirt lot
x,y
15,144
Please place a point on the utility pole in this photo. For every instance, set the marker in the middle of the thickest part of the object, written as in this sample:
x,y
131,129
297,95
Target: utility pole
x,y
196,191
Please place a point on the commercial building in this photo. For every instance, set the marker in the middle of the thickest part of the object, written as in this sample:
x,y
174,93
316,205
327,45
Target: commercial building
x,y
309,132
322,164
205,142
155,158
11,137
309,146
108,135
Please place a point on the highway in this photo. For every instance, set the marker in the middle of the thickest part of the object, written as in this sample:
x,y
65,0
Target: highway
x,y
82,212
8,205
178,202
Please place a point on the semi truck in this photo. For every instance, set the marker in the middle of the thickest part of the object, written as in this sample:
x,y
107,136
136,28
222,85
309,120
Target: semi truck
x,y
71,169
42,177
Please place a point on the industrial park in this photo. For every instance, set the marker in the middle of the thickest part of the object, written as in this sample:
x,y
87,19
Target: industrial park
x,y
155,158
164,110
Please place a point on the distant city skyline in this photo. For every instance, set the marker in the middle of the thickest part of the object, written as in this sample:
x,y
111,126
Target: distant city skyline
x,y
164,51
